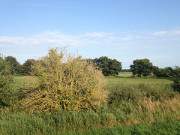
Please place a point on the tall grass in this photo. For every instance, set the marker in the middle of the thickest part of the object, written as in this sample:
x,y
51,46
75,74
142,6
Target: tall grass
x,y
118,82
135,106
73,123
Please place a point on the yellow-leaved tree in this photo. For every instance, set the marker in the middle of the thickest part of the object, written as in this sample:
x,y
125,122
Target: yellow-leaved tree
x,y
66,83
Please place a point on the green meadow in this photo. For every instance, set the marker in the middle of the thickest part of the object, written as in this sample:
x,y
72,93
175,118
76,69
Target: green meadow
x,y
136,106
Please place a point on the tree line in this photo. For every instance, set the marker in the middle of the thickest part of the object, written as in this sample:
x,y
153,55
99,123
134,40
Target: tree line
x,y
143,67
20,69
108,66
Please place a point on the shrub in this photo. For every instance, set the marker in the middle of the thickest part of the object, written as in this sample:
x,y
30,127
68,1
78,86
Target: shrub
x,y
15,67
176,85
5,80
27,67
135,93
66,83
126,94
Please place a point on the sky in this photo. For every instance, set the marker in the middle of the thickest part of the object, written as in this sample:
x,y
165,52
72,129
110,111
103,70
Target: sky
x,y
120,29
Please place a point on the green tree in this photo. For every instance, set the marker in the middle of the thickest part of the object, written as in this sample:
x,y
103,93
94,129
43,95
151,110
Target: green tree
x,y
177,72
108,66
167,72
141,67
176,84
14,65
5,81
28,67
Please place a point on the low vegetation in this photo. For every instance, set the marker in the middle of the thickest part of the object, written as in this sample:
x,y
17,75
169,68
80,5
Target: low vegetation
x,y
69,95
66,83
5,82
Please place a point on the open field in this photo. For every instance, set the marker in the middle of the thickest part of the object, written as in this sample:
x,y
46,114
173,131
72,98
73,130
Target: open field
x,y
112,82
135,106
125,74
124,82
89,67
25,82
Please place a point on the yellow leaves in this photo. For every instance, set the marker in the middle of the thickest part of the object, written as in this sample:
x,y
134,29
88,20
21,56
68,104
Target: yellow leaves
x,y
70,83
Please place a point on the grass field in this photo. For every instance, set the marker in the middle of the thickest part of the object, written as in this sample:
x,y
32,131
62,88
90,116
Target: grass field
x,y
25,82
135,106
21,82
125,74
120,82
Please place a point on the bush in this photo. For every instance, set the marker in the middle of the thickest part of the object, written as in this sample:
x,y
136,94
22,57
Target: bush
x,y
28,67
176,85
15,67
136,93
5,81
66,83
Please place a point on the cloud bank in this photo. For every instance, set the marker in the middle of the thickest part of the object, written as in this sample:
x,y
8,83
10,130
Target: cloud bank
x,y
162,47
61,39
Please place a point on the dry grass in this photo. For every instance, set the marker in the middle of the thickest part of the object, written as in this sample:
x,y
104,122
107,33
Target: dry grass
x,y
170,108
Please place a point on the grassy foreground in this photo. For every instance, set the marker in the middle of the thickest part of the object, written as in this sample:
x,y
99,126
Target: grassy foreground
x,y
136,106
71,124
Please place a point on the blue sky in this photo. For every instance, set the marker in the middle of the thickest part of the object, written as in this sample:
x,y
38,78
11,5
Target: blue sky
x,y
121,29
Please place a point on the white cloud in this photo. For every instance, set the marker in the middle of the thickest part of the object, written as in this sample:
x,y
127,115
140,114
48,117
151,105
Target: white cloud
x,y
50,38
162,47
167,33
93,38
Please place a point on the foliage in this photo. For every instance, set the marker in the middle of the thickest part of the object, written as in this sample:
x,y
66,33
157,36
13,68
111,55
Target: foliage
x,y
72,90
14,65
108,66
177,72
167,72
141,67
176,84
5,81
66,83
28,67
139,92
135,106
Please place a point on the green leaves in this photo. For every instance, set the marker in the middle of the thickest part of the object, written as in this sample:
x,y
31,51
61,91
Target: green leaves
x,y
5,81
108,66
142,67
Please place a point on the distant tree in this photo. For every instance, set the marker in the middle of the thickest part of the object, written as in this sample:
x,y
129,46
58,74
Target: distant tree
x,y
141,67
176,84
108,66
156,71
14,65
28,67
177,72
167,72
